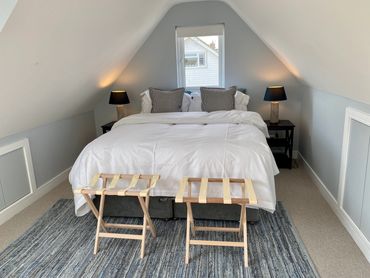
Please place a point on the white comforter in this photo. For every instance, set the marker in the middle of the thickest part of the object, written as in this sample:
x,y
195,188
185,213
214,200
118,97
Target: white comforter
x,y
194,144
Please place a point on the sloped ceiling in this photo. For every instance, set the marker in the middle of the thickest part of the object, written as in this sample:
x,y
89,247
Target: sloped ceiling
x,y
56,57
324,43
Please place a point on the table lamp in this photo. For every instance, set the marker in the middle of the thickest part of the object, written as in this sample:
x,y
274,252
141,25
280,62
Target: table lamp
x,y
119,98
275,94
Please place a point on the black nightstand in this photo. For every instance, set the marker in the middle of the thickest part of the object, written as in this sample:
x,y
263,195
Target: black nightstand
x,y
107,127
281,143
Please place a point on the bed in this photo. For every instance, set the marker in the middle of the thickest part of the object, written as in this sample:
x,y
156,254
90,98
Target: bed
x,y
199,144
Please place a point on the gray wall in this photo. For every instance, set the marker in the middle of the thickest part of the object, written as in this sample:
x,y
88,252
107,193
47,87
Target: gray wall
x,y
248,62
54,147
322,125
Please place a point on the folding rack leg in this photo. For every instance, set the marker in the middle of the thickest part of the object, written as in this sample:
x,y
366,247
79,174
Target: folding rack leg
x,y
147,215
187,247
94,210
242,212
192,228
245,239
99,224
146,220
142,251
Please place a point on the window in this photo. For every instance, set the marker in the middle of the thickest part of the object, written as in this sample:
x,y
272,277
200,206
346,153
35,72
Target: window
x,y
194,60
200,56
202,59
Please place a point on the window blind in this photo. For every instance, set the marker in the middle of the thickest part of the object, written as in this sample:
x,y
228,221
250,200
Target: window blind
x,y
198,31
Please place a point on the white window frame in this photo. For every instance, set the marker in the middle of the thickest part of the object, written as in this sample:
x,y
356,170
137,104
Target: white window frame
x,y
180,61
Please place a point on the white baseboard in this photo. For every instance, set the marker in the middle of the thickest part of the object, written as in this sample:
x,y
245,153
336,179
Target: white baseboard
x,y
29,199
344,218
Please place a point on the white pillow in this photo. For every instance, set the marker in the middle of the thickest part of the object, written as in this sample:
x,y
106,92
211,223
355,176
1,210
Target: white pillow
x,y
186,103
146,102
195,102
241,102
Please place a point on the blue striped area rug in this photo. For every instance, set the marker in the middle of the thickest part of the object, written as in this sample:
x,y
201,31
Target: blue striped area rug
x,y
60,244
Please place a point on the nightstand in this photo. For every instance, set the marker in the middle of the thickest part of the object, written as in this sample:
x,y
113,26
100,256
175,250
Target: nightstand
x,y
281,142
107,127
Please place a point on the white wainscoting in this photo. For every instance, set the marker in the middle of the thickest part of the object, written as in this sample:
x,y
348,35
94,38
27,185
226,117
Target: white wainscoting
x,y
35,192
347,222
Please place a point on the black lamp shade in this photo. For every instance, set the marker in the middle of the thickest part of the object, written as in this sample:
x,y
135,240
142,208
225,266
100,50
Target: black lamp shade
x,y
118,97
275,93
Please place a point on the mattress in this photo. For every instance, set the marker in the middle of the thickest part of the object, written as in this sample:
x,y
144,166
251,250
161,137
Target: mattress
x,y
194,144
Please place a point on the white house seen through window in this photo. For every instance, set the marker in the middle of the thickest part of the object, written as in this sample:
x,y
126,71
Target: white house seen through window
x,y
200,56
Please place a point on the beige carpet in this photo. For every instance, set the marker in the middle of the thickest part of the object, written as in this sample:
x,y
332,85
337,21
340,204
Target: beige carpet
x,y
331,248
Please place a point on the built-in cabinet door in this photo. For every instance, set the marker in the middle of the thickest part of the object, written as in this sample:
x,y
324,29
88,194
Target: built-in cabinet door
x,y
365,214
2,200
356,171
13,176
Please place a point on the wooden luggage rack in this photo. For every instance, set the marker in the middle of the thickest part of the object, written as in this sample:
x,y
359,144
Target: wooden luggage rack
x,y
248,198
109,187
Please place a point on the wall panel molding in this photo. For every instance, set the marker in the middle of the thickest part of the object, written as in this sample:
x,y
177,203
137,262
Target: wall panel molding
x,y
346,221
351,114
29,199
24,145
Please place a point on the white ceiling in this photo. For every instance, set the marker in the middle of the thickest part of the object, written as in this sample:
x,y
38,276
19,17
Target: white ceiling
x,y
57,56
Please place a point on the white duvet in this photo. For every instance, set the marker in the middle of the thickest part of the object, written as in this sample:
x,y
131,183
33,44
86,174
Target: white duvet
x,y
194,144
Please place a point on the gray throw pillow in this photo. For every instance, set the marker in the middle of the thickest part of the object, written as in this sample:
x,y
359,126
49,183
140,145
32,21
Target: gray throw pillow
x,y
216,99
166,100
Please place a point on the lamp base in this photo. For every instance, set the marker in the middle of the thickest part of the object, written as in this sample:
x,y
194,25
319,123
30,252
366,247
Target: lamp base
x,y
120,112
274,115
